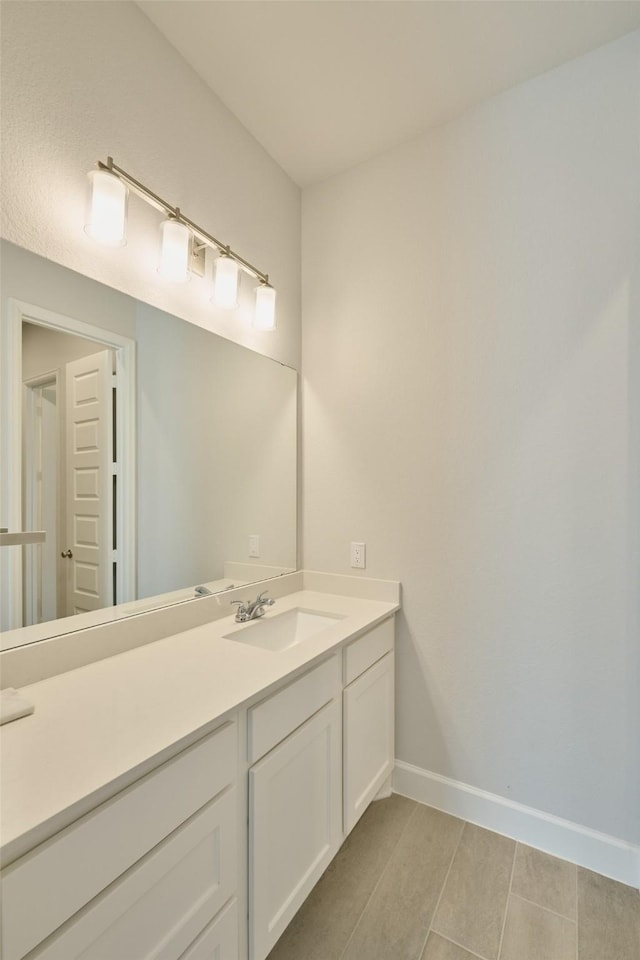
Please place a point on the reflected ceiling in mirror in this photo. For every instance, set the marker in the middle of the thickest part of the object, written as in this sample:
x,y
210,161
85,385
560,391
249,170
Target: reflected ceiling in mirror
x,y
203,487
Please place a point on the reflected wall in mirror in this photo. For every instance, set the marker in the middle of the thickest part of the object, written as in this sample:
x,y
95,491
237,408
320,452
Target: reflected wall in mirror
x,y
148,477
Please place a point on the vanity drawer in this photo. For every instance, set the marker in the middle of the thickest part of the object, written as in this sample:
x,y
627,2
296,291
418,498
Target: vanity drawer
x,y
161,904
270,721
50,884
367,649
220,940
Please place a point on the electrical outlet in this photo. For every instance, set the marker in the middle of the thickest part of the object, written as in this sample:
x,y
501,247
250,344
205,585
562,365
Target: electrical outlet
x,y
359,555
254,545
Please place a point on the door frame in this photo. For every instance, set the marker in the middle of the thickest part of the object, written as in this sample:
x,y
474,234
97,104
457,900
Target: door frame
x,y
32,571
11,430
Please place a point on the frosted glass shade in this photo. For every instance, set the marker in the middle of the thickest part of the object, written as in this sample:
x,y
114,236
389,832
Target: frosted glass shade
x,y
175,251
107,209
265,315
225,286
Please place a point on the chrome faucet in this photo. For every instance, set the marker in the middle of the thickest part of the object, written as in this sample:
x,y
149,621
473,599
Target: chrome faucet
x,y
252,609
203,592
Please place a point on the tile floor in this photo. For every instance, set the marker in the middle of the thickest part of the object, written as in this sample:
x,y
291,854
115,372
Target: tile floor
x,y
411,883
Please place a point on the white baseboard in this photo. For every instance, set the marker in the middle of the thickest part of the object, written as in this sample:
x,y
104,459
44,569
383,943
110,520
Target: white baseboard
x,y
596,851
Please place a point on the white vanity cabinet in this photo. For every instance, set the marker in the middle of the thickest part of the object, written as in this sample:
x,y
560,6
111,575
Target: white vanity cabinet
x,y
321,749
295,798
368,719
141,875
159,870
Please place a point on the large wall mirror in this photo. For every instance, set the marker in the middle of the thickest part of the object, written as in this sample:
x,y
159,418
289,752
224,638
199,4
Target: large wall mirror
x,y
145,460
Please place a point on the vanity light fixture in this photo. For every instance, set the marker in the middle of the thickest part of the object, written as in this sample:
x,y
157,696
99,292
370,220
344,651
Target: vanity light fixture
x,y
265,315
107,208
106,222
175,252
225,289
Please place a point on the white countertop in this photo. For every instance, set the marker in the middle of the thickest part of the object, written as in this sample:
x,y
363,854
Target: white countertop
x,y
100,727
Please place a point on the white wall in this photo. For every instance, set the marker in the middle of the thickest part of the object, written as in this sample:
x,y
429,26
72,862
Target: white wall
x,y
471,306
81,81
44,351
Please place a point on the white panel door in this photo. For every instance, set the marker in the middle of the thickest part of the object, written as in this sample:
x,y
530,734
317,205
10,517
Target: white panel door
x,y
368,737
89,483
295,797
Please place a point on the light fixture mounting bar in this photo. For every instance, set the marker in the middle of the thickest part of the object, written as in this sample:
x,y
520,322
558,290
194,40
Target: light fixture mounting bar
x,y
156,201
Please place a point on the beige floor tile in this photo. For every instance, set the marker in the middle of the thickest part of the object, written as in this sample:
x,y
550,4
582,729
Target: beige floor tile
x,y
471,911
545,880
608,919
321,928
533,933
395,923
376,900
438,948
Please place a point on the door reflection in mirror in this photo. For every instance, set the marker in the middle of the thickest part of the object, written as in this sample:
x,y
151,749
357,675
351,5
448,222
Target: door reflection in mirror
x,y
68,474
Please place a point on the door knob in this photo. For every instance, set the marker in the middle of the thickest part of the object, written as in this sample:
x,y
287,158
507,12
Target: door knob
x,y
67,554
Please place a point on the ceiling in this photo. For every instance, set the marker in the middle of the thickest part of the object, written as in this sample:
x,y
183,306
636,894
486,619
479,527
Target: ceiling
x,y
326,84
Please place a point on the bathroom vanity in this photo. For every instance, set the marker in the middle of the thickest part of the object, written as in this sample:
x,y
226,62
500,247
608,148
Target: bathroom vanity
x,y
182,798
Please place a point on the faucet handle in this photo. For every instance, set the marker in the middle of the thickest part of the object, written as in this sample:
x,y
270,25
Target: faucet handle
x,y
242,613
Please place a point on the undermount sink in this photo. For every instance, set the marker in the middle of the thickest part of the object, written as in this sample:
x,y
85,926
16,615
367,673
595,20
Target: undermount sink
x,y
283,630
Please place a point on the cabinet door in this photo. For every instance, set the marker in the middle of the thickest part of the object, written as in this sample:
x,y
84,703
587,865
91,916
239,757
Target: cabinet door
x,y
294,824
368,738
